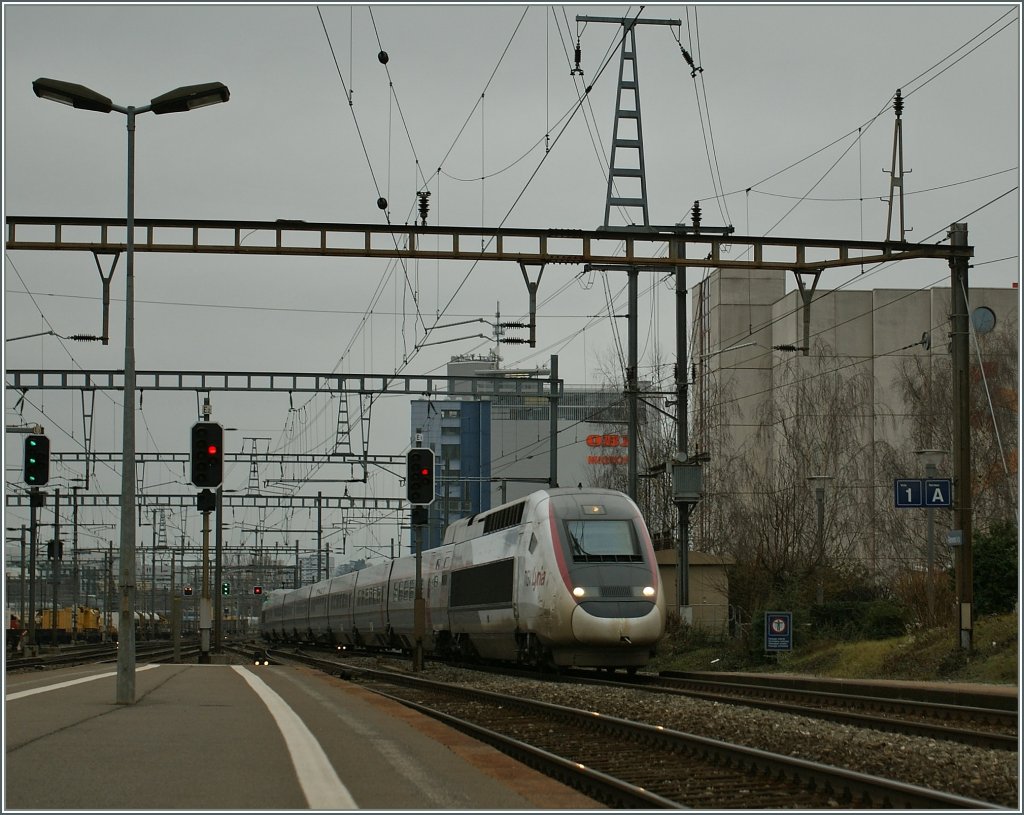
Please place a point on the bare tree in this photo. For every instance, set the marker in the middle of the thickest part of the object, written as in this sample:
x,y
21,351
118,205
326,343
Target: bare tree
x,y
816,423
926,384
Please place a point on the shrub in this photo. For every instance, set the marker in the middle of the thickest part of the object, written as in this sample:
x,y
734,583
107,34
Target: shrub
x,y
995,569
885,619
850,620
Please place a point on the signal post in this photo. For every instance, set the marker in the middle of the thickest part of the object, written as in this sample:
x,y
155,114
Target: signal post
x,y
36,473
419,486
207,471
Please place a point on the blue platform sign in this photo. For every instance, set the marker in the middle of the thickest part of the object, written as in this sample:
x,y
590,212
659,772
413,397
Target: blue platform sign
x,y
909,492
938,492
778,630
916,492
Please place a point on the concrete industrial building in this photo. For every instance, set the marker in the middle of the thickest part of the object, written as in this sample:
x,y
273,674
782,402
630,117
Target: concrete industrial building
x,y
750,374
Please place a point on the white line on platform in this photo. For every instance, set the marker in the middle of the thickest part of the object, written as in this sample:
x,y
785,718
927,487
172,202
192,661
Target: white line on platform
x,y
320,784
21,693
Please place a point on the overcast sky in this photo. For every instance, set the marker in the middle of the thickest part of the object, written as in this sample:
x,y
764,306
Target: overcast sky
x,y
787,131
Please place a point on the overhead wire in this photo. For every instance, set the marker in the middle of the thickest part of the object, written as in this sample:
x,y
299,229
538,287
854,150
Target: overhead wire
x,y
704,112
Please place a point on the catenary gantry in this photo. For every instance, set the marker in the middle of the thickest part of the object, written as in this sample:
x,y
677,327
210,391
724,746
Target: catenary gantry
x,y
643,247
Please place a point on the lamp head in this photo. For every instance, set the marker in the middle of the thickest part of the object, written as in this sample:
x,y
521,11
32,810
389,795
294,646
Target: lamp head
x,y
189,97
68,93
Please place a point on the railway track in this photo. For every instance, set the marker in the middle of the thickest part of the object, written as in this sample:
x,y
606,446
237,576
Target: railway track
x,y
990,722
630,764
77,655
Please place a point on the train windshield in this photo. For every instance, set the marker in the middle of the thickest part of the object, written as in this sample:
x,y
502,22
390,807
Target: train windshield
x,y
595,540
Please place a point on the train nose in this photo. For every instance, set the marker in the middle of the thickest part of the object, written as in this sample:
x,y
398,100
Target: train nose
x,y
599,625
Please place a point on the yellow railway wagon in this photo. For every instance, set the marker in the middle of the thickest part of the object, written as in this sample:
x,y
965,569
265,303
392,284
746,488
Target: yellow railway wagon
x,y
89,622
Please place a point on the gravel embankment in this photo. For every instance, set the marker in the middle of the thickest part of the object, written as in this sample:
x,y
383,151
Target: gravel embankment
x,y
986,775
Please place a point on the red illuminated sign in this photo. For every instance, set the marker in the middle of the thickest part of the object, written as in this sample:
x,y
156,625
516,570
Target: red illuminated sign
x,y
607,440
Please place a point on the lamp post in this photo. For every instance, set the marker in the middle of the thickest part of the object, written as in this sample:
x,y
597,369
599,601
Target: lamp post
x,y
819,482
177,101
931,460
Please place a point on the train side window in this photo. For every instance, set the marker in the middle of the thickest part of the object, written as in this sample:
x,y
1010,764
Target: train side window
x,y
533,543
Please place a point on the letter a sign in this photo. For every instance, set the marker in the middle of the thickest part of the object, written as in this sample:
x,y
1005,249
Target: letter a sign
x,y
938,492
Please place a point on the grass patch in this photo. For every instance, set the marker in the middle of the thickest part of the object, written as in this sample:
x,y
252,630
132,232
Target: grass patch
x,y
932,654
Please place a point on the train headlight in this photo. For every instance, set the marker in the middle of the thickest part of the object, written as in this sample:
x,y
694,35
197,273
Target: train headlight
x,y
578,591
648,591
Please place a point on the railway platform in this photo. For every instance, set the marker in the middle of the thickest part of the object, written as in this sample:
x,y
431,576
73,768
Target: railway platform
x,y
243,737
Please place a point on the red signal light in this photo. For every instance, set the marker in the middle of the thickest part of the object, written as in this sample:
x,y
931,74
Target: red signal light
x,y
207,456
420,476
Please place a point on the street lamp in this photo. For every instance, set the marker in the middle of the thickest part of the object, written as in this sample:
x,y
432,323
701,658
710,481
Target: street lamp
x,y
179,100
819,482
931,460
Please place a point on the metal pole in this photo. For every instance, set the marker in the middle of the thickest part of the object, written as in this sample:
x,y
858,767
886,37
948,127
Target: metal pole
x,y
175,613
930,471
21,583
632,385
319,535
152,585
296,580
218,598
819,496
126,625
108,573
418,610
32,526
204,596
682,432
553,442
74,565
184,576
55,565
960,351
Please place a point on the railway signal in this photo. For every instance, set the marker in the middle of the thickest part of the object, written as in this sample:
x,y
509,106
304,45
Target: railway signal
x,y
225,588
37,460
257,590
419,477
188,591
207,454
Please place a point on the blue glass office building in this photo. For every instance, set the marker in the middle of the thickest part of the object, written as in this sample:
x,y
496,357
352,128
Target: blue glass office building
x,y
459,433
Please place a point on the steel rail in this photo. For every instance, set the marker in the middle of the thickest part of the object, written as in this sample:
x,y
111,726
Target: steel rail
x,y
847,784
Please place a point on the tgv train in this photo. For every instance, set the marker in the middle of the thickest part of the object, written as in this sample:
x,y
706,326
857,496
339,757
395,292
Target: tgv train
x,y
563,577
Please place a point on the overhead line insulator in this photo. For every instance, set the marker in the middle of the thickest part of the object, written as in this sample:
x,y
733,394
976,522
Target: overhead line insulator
x,y
577,71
